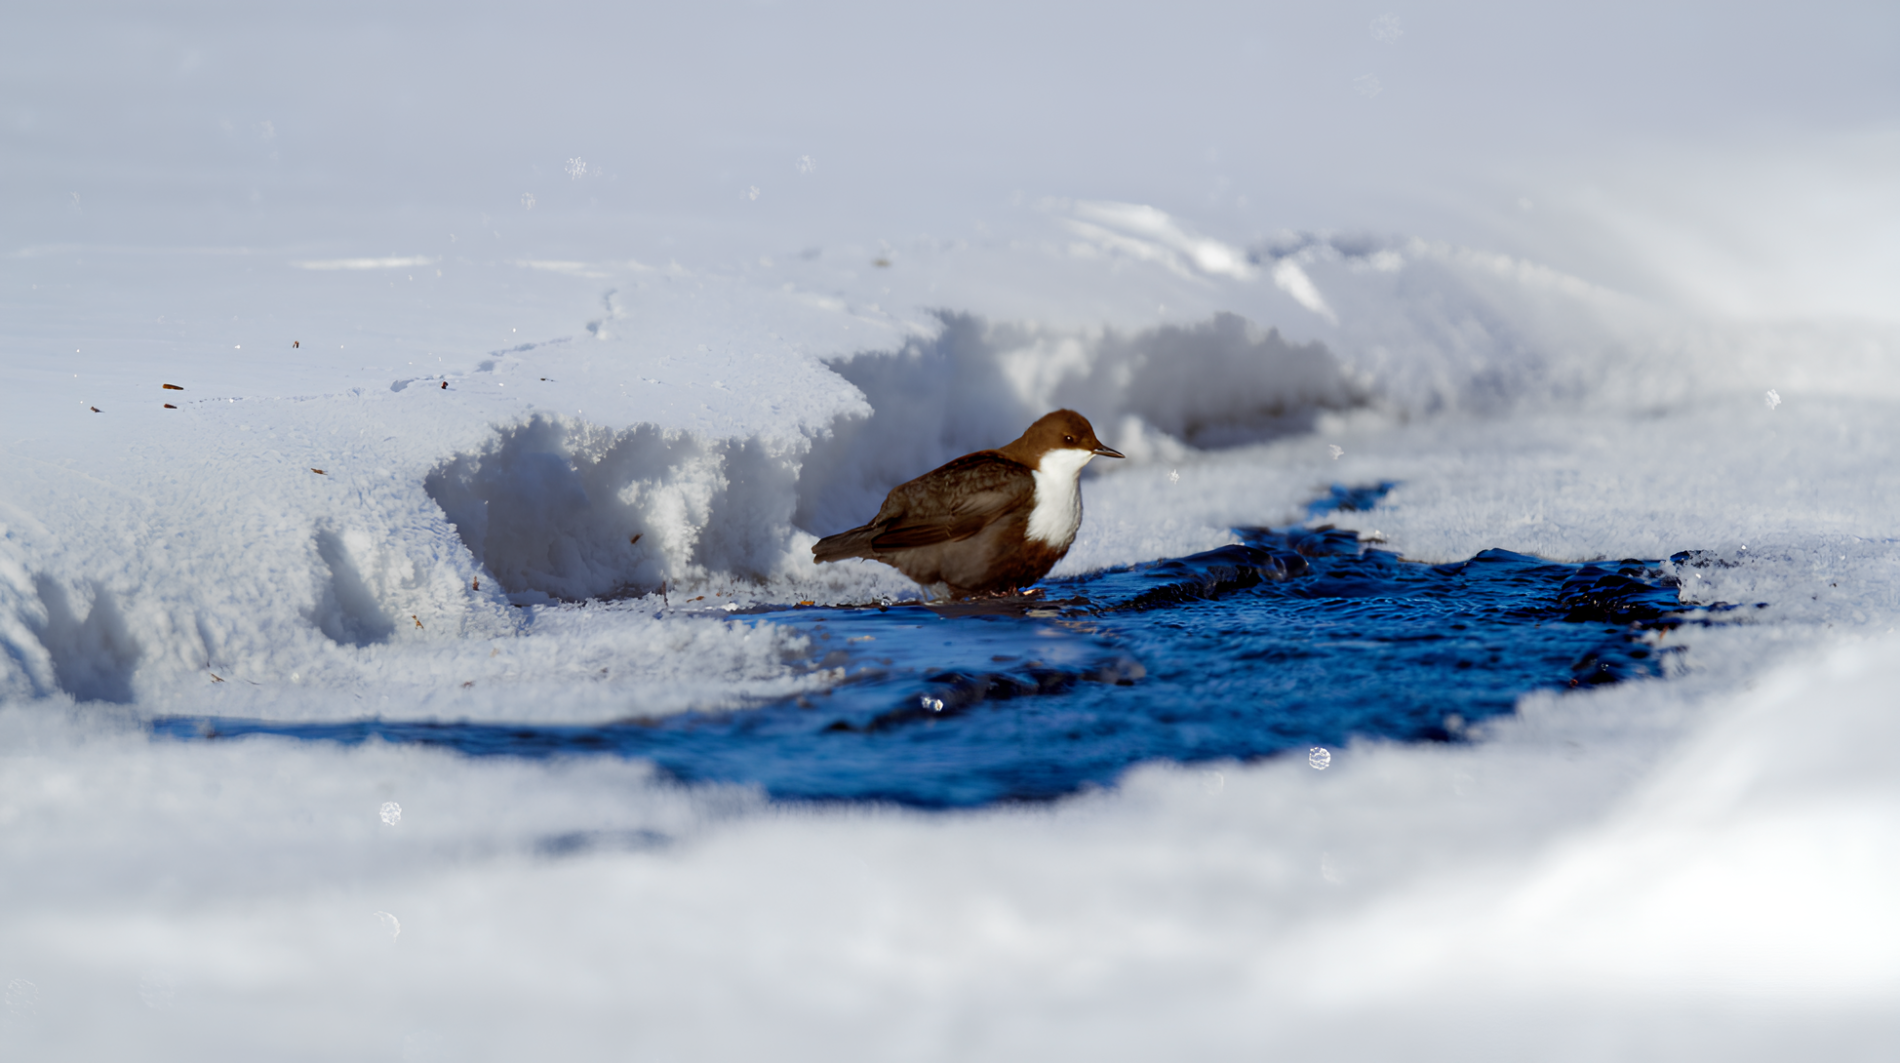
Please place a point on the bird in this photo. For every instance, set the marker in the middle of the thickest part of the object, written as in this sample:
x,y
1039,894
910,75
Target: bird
x,y
987,524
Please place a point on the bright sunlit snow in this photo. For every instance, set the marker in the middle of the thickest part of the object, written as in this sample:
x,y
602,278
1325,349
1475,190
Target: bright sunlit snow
x,y
434,363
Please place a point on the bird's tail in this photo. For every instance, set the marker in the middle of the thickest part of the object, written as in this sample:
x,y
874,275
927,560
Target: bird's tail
x,y
853,543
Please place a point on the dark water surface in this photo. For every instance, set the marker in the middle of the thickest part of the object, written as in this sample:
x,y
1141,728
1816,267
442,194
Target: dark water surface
x,y
1294,638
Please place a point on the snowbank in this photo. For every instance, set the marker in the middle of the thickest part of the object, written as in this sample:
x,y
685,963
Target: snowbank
x,y
564,469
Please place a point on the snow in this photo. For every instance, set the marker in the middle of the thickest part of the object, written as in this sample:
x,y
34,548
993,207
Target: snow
x,y
780,257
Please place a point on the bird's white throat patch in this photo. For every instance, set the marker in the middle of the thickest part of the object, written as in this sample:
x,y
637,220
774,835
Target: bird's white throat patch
x,y
1058,510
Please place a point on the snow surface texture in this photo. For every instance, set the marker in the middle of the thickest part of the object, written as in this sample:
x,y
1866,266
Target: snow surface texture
x,y
662,385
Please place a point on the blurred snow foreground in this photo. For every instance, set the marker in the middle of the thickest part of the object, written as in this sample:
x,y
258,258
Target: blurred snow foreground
x,y
276,449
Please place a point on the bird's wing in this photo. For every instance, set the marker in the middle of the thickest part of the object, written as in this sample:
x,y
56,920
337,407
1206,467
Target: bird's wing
x,y
953,502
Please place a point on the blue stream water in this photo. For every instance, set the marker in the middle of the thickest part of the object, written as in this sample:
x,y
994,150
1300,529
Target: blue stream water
x,y
1294,638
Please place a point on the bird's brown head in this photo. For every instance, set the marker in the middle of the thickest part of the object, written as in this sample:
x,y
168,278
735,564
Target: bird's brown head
x,y
1063,430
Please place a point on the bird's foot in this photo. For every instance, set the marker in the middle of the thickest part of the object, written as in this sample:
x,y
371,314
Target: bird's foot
x,y
1016,592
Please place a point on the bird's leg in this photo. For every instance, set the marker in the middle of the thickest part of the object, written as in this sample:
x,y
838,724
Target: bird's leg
x,y
1014,592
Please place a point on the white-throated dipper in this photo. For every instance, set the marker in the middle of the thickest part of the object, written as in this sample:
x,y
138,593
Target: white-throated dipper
x,y
991,522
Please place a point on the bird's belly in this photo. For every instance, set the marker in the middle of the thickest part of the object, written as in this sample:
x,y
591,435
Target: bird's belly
x,y
999,557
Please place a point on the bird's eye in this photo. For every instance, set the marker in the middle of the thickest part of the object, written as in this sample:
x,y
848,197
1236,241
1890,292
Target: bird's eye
x,y
1068,439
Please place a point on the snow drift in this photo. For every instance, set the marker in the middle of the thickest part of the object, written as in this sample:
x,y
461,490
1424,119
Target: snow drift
x,y
562,508
556,509
624,476
1154,394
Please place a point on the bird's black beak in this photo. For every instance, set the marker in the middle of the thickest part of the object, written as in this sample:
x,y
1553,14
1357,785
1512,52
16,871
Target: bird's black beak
x,y
1101,451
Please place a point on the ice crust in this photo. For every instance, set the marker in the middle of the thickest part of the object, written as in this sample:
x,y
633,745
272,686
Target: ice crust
x,y
795,269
